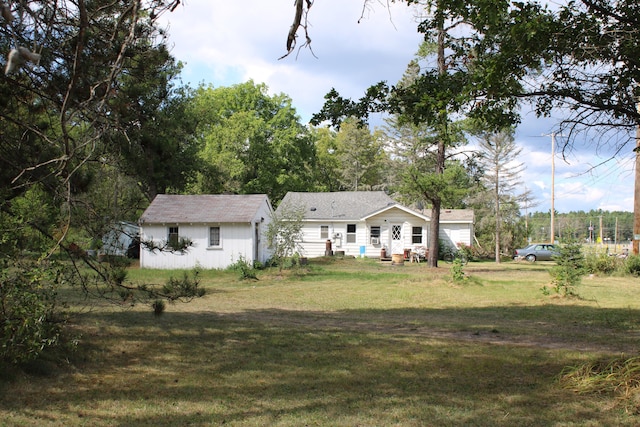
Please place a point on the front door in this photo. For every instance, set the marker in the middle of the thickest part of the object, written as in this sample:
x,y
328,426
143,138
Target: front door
x,y
397,247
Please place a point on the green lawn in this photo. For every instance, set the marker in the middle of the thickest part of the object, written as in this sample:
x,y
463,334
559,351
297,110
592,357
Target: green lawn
x,y
343,343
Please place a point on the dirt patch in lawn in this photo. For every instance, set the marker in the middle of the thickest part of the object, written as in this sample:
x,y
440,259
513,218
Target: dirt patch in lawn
x,y
445,325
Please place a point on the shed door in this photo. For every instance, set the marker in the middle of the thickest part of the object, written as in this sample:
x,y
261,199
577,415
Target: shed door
x,y
397,247
256,243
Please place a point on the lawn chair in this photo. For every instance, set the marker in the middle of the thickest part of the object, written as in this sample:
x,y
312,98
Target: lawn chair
x,y
419,253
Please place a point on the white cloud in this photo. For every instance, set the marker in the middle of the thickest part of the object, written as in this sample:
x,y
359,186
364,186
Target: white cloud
x,y
224,43
229,42
540,184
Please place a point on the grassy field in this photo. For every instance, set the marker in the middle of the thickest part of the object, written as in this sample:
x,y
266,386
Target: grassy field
x,y
343,343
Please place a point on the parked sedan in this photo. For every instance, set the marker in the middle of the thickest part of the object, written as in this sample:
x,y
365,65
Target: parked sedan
x,y
537,252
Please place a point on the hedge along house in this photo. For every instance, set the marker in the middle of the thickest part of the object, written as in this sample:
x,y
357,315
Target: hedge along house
x,y
362,223
222,229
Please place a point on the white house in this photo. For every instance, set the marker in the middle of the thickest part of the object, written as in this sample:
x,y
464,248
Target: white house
x,y
362,223
222,229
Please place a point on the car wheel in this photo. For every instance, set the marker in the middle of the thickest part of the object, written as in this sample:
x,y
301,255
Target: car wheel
x,y
531,258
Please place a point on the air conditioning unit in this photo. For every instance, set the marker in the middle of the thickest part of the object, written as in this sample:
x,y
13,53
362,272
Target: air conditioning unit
x,y
375,240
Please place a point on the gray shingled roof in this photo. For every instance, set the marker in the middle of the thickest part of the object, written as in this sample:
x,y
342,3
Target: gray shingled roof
x,y
202,208
343,205
456,215
355,205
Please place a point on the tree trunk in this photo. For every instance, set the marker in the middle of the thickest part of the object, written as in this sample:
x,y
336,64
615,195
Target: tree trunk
x,y
434,231
498,219
436,201
436,205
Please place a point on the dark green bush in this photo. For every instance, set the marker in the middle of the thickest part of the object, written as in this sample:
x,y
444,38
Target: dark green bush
x,y
632,265
158,307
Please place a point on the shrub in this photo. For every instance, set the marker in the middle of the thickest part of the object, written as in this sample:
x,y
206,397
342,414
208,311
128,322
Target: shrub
x,y
158,307
464,251
457,272
245,269
601,263
632,265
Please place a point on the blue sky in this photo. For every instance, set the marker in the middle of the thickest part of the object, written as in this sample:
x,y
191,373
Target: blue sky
x,y
223,43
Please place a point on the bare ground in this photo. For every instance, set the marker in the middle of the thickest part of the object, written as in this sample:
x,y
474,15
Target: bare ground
x,y
545,335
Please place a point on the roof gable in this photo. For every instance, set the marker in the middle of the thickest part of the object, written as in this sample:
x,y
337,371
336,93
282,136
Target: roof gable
x,y
456,215
398,206
203,208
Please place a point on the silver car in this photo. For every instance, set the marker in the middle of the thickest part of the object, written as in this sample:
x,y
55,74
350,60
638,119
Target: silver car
x,y
537,252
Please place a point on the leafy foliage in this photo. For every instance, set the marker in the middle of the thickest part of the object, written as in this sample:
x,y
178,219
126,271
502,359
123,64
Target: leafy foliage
x,y
602,263
361,156
30,319
457,272
632,265
244,269
251,142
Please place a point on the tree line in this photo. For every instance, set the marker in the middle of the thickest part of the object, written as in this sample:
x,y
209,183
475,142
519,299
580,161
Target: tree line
x,y
594,226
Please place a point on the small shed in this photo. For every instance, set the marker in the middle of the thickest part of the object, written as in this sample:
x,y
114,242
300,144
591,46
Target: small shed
x,y
121,240
222,229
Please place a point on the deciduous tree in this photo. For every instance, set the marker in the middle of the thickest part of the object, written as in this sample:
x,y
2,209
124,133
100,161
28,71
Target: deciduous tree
x,y
252,142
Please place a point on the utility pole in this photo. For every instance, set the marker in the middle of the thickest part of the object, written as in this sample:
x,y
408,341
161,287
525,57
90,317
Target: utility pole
x,y
552,232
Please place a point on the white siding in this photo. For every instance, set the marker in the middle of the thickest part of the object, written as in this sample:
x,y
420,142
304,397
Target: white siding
x,y
237,240
262,220
396,217
452,234
314,246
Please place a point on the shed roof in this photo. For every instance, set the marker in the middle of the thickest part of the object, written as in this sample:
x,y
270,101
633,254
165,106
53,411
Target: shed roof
x,y
456,215
203,208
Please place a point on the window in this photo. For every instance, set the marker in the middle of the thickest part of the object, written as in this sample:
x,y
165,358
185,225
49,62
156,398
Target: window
x,y
396,232
351,233
172,237
214,236
375,235
324,231
416,235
